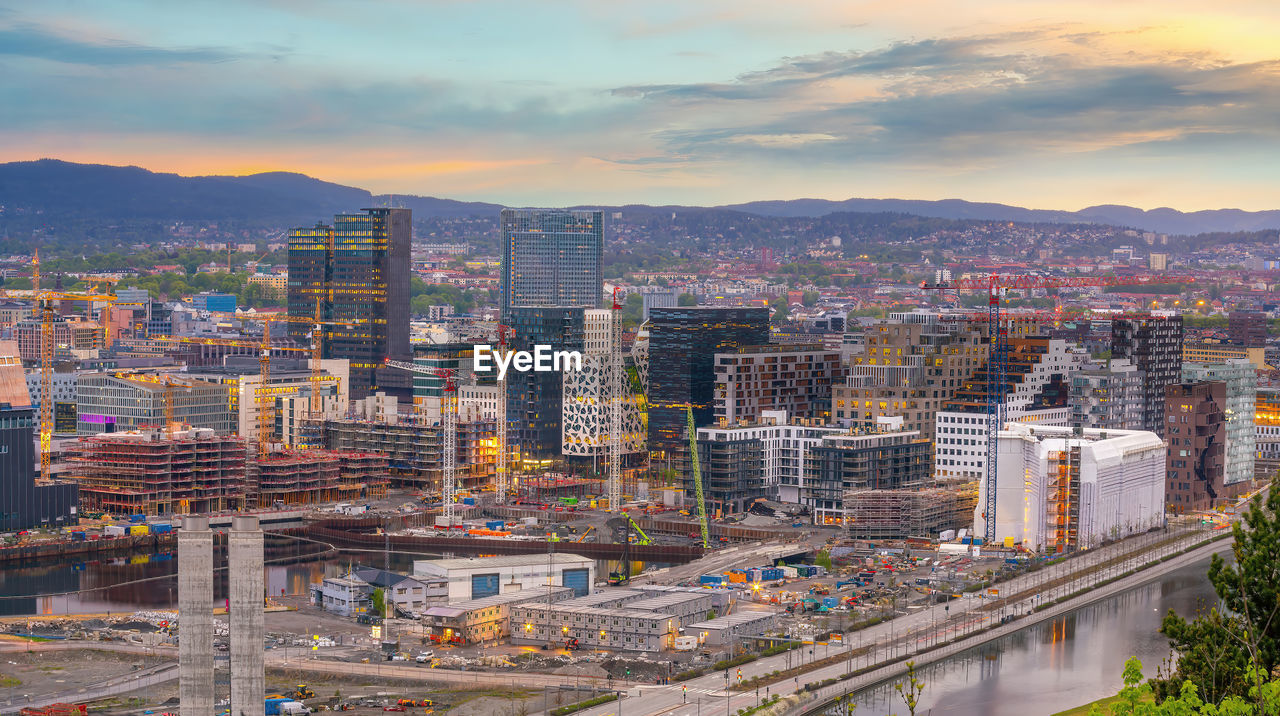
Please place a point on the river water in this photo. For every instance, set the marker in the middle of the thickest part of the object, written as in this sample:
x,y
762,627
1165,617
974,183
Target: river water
x,y
1057,664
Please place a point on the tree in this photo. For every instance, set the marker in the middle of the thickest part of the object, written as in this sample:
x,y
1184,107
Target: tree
x,y
378,602
810,298
823,559
687,299
1135,698
910,689
781,311
1216,649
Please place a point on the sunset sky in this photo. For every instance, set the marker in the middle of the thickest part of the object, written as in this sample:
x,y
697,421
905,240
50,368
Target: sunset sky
x,y
1055,105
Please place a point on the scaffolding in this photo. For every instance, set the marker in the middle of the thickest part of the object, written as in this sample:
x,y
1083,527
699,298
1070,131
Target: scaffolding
x,y
899,514
1063,503
147,472
414,451
296,478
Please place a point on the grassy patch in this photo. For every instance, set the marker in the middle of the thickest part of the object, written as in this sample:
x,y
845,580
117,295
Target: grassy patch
x,y
8,682
571,708
1104,703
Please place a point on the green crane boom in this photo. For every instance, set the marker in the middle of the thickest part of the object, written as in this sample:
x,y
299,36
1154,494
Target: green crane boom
x,y
644,538
697,475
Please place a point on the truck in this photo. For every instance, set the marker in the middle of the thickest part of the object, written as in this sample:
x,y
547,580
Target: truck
x,y
281,706
686,643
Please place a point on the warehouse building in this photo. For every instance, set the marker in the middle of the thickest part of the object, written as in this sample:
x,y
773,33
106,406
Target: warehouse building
x,y
478,578
625,629
483,620
722,631
686,608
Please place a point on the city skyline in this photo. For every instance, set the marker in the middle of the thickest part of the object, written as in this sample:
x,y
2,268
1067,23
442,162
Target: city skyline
x,y
1042,104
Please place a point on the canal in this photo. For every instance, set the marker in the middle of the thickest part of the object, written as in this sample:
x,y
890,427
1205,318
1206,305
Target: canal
x,y
1058,664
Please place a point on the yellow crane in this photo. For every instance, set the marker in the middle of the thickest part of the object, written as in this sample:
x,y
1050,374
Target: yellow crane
x,y
264,398
44,301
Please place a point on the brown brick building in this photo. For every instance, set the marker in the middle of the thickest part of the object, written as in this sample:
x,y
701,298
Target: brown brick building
x,y
1196,434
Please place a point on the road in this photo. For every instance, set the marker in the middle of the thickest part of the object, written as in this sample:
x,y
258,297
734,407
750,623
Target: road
x,y
111,687
921,630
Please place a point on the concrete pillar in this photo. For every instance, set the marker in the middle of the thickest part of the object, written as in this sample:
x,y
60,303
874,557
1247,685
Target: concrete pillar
x,y
195,617
244,550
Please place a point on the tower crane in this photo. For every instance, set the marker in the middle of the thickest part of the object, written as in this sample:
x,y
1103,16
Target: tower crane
x,y
501,477
615,383
997,286
448,429
264,400
697,474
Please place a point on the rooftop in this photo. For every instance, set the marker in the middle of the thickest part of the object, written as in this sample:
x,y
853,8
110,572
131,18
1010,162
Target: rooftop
x,y
515,560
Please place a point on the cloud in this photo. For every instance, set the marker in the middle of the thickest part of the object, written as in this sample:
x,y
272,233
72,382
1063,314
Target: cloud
x,y
34,42
963,100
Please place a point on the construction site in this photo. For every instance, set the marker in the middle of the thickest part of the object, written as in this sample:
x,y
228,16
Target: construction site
x,y
899,514
413,450
194,471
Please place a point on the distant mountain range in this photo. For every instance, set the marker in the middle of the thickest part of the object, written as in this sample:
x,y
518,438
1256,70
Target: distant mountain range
x,y
101,192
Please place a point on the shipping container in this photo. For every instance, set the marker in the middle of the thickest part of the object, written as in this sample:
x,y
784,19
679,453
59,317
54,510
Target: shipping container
x,y
137,518
494,524
114,531
159,528
468,500
712,579
138,530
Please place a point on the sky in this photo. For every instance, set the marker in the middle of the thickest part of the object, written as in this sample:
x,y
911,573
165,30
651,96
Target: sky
x,y
1045,104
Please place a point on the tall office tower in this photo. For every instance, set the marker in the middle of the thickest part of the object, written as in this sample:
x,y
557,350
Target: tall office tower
x,y
552,258
1247,328
247,595
358,270
1154,346
535,399
683,343
1107,396
1195,463
195,616
1038,390
1241,378
909,366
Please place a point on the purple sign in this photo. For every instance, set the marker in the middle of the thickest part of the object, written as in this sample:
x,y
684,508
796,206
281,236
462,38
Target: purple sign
x,y
98,419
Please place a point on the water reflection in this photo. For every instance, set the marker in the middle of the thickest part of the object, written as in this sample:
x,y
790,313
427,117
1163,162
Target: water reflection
x,y
115,584
1058,664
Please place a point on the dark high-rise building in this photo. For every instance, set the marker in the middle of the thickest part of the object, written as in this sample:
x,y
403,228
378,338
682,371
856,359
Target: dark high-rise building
x,y
1154,346
23,503
552,257
358,269
535,400
1247,328
683,343
1196,460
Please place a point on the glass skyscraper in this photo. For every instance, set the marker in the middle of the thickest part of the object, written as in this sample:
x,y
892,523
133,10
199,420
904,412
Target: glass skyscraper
x,y
552,257
358,268
683,343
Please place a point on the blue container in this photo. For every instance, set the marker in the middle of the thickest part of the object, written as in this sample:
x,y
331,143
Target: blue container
x,y
468,500
160,529
494,524
78,537
712,579
831,602
137,518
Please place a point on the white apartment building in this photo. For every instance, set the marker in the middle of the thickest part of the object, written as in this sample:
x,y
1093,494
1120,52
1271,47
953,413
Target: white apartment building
x,y
783,447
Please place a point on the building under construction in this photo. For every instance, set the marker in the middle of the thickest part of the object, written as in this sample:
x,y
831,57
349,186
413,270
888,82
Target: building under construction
x,y
303,477
147,472
196,471
413,450
898,514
